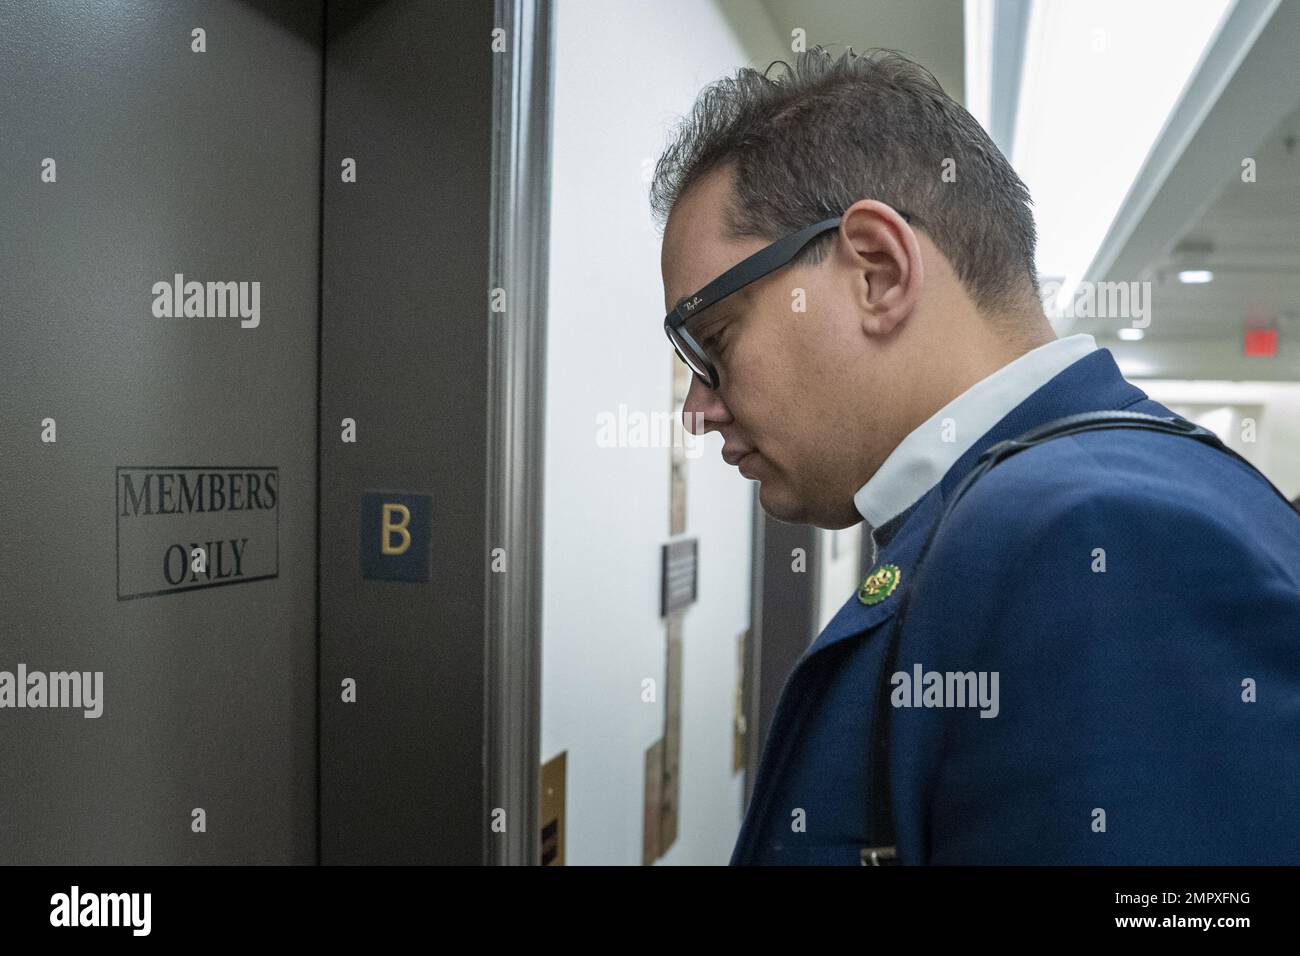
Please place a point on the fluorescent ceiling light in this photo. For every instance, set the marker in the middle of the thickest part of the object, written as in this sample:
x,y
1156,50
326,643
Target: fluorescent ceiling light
x,y
1195,276
1100,79
977,21
1130,334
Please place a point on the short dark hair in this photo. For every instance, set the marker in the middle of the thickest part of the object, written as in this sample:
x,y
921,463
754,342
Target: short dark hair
x,y
874,125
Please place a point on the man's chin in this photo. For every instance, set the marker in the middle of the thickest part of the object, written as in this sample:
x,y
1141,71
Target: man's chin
x,y
779,506
784,509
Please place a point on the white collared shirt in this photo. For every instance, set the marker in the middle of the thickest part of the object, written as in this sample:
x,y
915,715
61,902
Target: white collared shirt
x,y
922,458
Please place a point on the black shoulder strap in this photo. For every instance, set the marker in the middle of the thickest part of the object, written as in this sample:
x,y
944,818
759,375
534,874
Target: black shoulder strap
x,y
883,850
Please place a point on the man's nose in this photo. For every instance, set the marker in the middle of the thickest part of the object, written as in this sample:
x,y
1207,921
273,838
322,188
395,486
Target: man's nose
x,y
703,408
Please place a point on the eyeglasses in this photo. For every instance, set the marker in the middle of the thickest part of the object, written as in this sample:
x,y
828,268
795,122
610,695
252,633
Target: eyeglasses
x,y
751,269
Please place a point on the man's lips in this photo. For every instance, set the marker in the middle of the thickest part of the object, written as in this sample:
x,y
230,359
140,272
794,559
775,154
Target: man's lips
x,y
732,456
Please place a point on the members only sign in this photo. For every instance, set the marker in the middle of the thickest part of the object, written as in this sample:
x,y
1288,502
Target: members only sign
x,y
180,528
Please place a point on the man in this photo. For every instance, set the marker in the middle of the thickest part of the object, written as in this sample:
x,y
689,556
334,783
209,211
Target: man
x,y
1112,619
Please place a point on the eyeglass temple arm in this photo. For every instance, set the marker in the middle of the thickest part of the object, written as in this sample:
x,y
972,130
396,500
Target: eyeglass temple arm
x,y
754,268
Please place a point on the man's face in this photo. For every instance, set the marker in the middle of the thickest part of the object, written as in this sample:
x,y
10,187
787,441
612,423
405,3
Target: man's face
x,y
789,380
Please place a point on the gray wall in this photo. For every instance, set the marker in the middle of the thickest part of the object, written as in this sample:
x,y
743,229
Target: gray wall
x,y
404,353
785,624
169,161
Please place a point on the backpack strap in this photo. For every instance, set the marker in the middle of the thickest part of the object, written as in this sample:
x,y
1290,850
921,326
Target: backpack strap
x,y
884,848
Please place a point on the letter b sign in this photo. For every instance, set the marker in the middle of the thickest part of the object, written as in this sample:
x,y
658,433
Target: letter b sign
x,y
396,528
391,527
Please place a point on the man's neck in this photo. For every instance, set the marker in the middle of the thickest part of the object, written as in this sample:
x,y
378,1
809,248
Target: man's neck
x,y
972,345
978,401
964,364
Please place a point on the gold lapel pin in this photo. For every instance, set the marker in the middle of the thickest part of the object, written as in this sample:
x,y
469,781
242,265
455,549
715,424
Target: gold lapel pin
x,y
879,584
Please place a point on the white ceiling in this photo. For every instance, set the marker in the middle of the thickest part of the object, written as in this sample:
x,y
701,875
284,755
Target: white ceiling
x,y
1242,102
1253,229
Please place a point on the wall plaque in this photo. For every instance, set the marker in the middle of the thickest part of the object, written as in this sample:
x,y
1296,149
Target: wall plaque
x,y
653,804
679,578
677,472
554,772
672,756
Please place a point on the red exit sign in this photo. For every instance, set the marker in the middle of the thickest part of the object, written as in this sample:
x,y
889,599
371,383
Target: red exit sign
x,y
1261,342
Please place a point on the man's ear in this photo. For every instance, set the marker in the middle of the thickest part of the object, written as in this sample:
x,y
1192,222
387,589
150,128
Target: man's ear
x,y
886,259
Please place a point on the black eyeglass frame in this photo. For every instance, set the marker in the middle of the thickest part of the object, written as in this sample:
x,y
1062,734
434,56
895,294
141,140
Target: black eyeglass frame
x,y
767,260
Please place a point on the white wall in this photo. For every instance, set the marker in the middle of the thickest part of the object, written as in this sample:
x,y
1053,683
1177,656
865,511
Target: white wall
x,y
841,553
623,71
1222,406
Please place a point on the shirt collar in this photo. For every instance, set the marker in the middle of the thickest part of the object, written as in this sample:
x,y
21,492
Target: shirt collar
x,y
924,456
